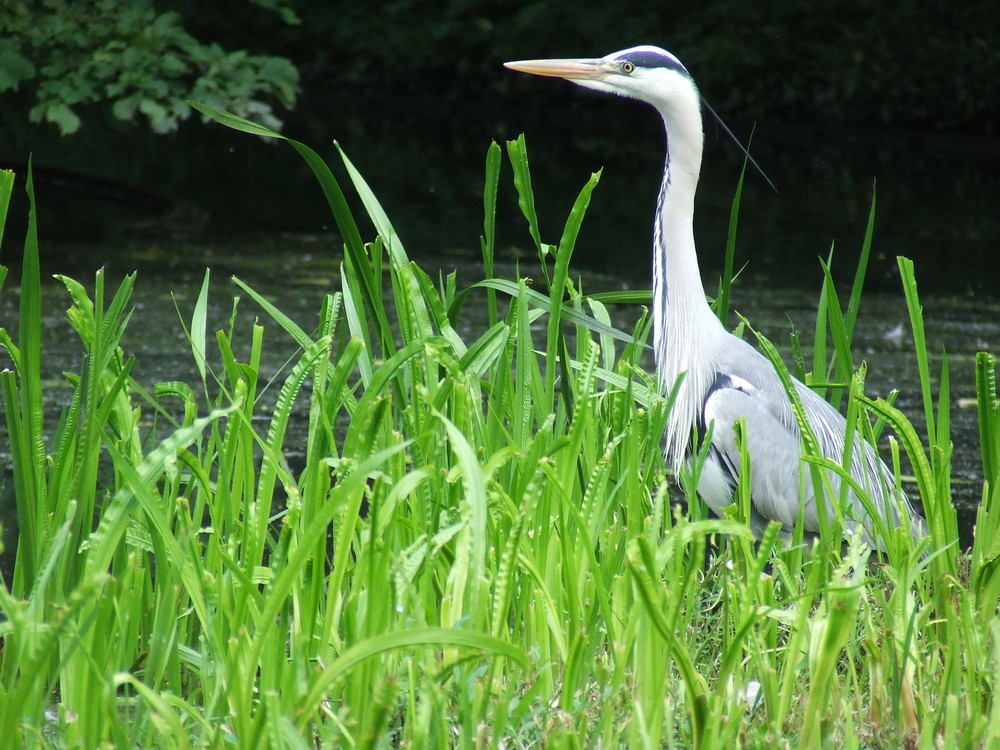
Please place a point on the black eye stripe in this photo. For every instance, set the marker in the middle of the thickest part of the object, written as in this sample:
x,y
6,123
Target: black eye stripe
x,y
654,60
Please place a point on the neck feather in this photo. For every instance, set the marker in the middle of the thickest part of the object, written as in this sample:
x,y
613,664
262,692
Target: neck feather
x,y
684,323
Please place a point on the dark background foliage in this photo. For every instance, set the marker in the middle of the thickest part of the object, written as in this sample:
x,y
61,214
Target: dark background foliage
x,y
928,65
917,64
413,73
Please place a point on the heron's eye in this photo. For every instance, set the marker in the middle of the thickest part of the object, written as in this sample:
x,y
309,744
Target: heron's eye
x,y
628,67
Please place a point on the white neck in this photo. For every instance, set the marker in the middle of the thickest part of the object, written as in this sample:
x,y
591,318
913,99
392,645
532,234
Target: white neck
x,y
683,321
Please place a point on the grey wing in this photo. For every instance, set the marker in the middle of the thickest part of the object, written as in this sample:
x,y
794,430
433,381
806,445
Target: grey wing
x,y
752,390
868,470
774,451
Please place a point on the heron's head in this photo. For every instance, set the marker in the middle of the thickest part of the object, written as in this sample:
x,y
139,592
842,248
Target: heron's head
x,y
647,73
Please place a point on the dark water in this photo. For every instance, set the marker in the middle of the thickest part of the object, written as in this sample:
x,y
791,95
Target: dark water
x,y
935,204
938,200
297,273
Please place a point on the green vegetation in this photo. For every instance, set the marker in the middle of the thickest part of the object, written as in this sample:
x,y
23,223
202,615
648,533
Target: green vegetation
x,y
489,554
859,64
141,61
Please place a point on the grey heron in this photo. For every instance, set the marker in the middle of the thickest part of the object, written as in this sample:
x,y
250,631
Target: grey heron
x,y
723,378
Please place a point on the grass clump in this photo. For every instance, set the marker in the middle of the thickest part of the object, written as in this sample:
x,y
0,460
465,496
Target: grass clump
x,y
487,556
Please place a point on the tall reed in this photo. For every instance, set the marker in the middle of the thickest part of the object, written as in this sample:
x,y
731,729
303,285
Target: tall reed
x,y
490,554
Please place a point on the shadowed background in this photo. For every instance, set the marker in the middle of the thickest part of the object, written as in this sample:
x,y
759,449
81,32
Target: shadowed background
x,y
837,99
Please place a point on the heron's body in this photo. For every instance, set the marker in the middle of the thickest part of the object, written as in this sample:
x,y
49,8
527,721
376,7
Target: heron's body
x,y
722,378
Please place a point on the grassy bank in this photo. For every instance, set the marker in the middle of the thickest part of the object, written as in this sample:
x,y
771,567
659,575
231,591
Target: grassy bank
x,y
489,555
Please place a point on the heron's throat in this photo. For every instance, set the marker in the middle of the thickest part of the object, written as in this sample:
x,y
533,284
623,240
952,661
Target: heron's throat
x,y
684,324
679,304
675,260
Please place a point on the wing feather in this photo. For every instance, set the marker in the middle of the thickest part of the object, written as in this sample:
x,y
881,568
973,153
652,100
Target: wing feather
x,y
747,387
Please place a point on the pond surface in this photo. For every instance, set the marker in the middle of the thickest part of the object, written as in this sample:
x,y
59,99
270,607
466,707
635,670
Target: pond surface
x,y
295,273
253,210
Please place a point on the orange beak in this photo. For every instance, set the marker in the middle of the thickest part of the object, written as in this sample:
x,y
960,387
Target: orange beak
x,y
573,69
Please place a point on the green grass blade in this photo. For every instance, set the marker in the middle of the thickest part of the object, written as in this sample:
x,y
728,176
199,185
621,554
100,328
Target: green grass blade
x,y
568,313
560,275
623,297
822,367
919,339
488,240
989,415
287,324
832,632
517,152
356,256
642,566
199,322
841,333
23,406
103,542
6,191
985,560
854,303
465,580
726,282
409,639
375,211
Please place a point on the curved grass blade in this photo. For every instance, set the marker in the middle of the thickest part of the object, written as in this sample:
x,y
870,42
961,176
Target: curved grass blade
x,y
375,211
543,302
640,561
409,639
488,240
555,339
22,396
465,579
199,324
517,151
356,255
941,519
854,303
726,282
6,190
989,415
623,297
